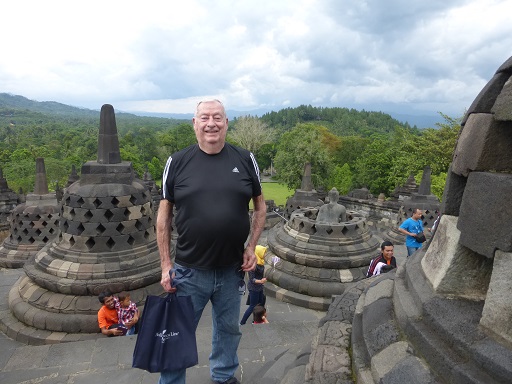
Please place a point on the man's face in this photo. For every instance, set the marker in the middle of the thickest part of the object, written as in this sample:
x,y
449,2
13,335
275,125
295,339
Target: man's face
x,y
417,215
210,124
387,252
109,302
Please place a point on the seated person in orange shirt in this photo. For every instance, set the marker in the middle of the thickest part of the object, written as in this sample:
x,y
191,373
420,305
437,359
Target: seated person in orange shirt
x,y
107,316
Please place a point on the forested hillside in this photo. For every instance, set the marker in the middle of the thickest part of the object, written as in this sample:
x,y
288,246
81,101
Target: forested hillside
x,y
347,148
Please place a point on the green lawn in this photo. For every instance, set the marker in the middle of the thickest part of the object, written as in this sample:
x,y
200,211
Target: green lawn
x,y
277,192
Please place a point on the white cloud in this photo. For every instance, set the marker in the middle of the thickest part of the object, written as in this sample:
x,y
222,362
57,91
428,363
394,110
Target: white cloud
x,y
165,56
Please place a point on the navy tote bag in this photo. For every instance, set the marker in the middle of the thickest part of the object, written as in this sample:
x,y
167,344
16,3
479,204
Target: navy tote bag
x,y
166,340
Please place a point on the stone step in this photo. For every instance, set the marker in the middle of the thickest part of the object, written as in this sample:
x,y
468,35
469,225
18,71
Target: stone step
x,y
305,301
289,365
447,332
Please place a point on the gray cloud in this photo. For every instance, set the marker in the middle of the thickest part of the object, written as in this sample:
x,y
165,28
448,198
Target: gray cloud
x,y
397,55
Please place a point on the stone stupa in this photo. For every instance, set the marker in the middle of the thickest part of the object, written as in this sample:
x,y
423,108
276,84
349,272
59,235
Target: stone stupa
x,y
107,241
446,314
311,259
8,201
305,196
424,200
33,224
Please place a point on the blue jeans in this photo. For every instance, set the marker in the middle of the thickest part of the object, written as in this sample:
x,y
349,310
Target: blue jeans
x,y
411,250
221,287
131,331
255,298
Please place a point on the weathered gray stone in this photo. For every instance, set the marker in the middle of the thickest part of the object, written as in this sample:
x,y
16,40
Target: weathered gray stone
x,y
487,96
501,108
483,145
452,194
453,269
486,213
385,360
497,310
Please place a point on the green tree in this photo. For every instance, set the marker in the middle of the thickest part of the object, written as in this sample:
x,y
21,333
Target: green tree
x,y
251,133
342,179
301,145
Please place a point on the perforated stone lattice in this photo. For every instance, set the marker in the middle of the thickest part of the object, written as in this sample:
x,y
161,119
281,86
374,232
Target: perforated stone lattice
x,y
109,223
34,227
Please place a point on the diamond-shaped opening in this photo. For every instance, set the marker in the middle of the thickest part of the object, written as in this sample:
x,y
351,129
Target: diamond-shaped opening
x,y
97,202
38,217
31,240
108,214
31,224
139,225
68,199
133,199
329,230
344,230
72,213
25,231
127,213
50,216
301,225
120,228
65,226
131,240
115,201
44,223
72,240
146,235
143,210
80,228
51,230
19,238
110,242
90,243
38,232
45,239
80,201
150,220
356,227
88,215
100,229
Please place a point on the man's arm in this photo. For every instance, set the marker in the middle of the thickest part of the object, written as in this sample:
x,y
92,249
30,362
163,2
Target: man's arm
x,y
163,238
102,321
405,232
259,216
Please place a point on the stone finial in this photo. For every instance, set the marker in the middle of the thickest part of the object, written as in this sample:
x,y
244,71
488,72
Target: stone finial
x,y
306,184
72,177
108,142
425,182
41,187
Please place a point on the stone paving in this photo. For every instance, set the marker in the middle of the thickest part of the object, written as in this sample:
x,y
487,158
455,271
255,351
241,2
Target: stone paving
x,y
108,360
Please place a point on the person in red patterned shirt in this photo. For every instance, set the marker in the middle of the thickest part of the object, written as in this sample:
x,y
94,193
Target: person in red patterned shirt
x,y
127,312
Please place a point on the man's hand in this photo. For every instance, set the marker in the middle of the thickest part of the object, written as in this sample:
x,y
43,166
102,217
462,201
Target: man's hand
x,y
166,281
249,263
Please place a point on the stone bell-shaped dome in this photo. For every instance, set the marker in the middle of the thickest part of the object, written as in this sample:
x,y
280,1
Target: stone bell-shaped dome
x,y
107,241
33,224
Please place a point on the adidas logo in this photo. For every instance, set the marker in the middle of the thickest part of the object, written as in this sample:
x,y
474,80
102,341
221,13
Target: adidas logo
x,y
235,170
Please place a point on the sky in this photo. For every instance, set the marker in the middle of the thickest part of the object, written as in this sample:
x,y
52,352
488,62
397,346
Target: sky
x,y
405,56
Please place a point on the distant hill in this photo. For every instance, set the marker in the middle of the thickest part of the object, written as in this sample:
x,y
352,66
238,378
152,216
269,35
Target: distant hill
x,y
8,100
21,111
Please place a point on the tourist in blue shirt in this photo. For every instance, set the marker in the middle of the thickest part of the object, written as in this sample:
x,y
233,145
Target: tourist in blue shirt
x,y
411,227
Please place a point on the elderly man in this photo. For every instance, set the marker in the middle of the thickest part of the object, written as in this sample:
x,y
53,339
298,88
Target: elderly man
x,y
211,184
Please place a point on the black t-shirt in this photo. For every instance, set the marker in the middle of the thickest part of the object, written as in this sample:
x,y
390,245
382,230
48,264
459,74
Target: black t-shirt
x,y
211,194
